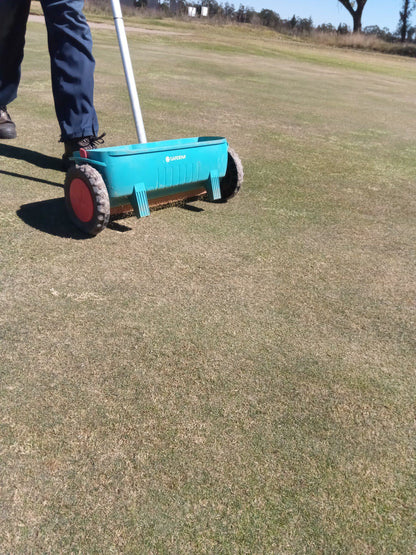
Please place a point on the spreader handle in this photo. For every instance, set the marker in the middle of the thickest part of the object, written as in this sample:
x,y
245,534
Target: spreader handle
x,y
128,70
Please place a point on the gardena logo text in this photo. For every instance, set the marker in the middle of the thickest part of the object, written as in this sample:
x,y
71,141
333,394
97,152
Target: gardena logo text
x,y
174,158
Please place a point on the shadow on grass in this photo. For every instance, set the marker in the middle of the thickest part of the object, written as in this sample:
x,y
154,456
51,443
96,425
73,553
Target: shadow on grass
x,y
191,208
36,158
117,226
31,178
50,216
32,156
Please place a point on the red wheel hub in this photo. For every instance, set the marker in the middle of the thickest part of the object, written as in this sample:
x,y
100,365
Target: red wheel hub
x,y
81,200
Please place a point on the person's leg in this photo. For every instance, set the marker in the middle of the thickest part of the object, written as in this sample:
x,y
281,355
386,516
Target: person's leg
x,y
13,19
72,67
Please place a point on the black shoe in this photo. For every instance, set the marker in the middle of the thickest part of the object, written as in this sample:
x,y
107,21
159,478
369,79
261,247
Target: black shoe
x,y
7,127
73,145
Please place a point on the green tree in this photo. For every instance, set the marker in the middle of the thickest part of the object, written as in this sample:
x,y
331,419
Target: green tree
x,y
229,10
355,8
269,18
326,28
404,21
343,29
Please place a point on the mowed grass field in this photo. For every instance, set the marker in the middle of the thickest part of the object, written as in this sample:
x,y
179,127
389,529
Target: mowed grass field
x,y
238,378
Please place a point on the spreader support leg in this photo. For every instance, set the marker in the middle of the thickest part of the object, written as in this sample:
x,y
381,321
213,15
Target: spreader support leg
x,y
139,201
213,186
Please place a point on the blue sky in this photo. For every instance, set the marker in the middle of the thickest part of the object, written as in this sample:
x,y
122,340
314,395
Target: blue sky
x,y
384,13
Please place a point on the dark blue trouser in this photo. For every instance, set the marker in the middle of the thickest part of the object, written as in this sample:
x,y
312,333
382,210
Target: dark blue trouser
x,y
72,63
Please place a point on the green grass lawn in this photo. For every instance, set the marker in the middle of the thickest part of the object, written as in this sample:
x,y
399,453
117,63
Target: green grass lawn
x,y
235,380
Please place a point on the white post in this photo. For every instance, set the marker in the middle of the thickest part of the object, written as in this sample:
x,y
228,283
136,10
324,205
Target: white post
x,y
128,70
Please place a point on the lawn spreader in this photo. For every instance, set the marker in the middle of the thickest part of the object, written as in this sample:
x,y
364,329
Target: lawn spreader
x,y
106,181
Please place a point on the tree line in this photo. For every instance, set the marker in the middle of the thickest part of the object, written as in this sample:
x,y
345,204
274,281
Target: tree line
x,y
405,30
227,11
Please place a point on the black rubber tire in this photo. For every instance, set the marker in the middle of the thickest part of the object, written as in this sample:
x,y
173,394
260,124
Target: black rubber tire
x,y
99,195
230,184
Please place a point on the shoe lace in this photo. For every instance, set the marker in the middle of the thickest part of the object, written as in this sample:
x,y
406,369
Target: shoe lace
x,y
92,142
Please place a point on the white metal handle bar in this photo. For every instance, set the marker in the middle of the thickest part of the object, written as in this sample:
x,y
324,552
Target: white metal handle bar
x,y
128,70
